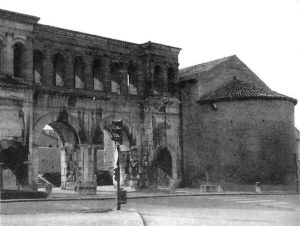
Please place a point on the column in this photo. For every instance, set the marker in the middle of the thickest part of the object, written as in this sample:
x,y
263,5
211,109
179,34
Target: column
x,y
69,72
106,74
1,177
63,166
28,66
1,57
87,182
48,79
9,55
164,77
123,80
32,163
134,169
88,73
148,71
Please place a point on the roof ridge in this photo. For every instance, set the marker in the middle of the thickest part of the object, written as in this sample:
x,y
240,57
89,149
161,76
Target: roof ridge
x,y
194,71
220,60
241,90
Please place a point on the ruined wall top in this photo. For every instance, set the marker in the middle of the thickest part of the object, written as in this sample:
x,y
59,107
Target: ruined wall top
x,y
5,14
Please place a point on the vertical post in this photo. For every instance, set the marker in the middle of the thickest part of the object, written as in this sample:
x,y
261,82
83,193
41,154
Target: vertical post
x,y
118,179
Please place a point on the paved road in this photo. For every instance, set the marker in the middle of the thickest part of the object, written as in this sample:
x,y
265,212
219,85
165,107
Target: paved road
x,y
195,210
221,210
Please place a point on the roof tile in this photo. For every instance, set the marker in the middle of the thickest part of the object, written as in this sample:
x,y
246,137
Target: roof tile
x,y
193,72
241,90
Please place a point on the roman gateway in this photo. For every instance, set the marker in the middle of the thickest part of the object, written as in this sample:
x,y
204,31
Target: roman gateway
x,y
77,84
61,92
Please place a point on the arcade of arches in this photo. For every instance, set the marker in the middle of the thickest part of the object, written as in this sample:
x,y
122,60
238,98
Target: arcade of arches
x,y
61,90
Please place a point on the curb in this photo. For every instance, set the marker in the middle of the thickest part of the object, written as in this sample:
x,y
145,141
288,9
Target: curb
x,y
123,217
138,197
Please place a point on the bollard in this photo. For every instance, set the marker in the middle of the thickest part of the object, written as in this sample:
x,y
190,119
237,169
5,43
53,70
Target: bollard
x,y
48,188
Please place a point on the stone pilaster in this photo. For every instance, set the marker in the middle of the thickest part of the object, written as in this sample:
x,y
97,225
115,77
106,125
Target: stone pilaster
x,y
2,57
9,55
123,80
69,79
86,183
1,175
88,73
48,78
106,74
147,78
28,66
164,78
32,163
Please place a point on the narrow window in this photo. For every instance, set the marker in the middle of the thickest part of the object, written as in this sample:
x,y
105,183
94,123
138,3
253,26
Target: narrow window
x,y
19,60
132,80
59,69
79,72
158,80
115,78
38,66
97,75
171,81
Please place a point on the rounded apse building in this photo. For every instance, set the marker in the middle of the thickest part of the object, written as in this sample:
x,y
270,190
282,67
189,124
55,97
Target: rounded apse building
x,y
242,133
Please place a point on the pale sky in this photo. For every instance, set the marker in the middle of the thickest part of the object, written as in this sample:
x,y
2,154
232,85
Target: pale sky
x,y
264,34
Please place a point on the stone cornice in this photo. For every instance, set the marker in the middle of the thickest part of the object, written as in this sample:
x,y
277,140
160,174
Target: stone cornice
x,y
115,43
24,18
70,34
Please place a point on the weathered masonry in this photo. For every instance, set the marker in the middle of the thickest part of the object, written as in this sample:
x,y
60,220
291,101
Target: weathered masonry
x,y
77,84
214,123
236,130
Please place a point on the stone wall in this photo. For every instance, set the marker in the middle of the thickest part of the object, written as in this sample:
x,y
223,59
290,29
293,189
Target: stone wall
x,y
49,160
44,91
239,142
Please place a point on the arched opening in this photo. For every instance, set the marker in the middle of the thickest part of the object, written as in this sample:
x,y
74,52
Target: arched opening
x,y
127,157
13,155
132,80
97,74
57,155
19,60
171,81
79,72
115,78
158,80
38,68
58,70
163,162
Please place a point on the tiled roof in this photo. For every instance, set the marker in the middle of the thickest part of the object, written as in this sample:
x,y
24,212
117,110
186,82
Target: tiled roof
x,y
193,72
241,90
18,17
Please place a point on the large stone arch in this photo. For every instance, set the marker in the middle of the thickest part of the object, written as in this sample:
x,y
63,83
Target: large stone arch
x,y
157,156
130,130
13,168
66,127
52,117
128,158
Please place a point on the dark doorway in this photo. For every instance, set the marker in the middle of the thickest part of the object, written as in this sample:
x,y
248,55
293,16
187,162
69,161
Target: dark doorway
x,y
164,167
